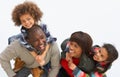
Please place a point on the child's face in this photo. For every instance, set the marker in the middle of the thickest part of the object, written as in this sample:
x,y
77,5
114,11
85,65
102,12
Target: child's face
x,y
75,50
100,55
27,20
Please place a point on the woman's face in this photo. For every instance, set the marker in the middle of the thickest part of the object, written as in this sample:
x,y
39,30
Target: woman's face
x,y
100,55
27,20
75,50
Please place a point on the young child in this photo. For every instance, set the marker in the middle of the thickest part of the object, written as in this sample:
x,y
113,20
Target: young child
x,y
26,15
103,57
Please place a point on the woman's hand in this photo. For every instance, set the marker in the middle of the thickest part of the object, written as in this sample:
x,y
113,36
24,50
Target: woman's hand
x,y
71,65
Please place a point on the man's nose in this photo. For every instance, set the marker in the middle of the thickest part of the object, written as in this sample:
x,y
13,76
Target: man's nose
x,y
41,41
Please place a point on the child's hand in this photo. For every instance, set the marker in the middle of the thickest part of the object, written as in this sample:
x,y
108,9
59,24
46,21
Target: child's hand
x,y
40,60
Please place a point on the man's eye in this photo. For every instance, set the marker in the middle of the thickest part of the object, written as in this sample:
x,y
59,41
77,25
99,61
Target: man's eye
x,y
34,40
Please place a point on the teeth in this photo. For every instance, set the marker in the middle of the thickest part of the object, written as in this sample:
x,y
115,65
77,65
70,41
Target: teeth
x,y
71,51
41,46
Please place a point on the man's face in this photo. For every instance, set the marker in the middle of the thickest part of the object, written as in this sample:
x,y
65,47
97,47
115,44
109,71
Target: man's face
x,y
38,40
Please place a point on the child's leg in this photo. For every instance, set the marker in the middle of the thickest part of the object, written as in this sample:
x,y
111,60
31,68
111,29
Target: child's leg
x,y
18,64
37,72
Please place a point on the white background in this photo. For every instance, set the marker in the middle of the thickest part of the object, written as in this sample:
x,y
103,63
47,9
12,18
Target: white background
x,y
99,18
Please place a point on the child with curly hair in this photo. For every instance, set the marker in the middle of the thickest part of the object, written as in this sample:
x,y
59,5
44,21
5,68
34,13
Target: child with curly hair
x,y
26,15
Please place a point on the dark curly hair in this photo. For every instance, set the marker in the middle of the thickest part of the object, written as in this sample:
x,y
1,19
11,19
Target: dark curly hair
x,y
24,8
83,39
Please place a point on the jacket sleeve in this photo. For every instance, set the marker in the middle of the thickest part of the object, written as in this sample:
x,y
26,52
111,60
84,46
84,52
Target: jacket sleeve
x,y
55,61
14,37
79,73
5,57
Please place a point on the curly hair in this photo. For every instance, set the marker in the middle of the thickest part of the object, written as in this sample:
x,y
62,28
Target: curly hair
x,y
26,8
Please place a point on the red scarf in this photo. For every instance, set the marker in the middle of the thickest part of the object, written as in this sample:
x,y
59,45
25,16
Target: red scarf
x,y
64,64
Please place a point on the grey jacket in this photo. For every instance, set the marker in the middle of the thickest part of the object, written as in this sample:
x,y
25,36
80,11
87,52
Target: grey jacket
x,y
15,49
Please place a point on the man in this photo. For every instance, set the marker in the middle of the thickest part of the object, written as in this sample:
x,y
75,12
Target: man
x,y
37,39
